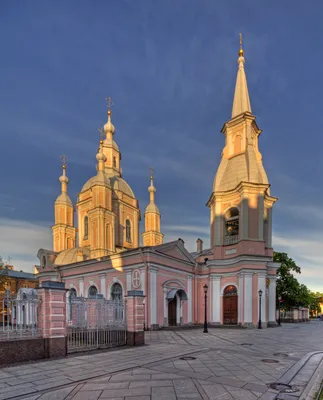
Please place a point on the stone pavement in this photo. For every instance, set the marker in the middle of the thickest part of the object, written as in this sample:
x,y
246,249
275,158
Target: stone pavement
x,y
223,364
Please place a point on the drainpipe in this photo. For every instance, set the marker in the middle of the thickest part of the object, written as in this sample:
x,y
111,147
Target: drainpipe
x,y
146,286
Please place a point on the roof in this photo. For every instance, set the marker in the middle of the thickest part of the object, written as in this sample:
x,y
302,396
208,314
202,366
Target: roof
x,y
17,274
69,256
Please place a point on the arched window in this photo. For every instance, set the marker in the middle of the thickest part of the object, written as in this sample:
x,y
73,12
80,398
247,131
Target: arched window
x,y
86,227
92,292
230,290
114,162
43,261
232,222
116,291
73,293
128,231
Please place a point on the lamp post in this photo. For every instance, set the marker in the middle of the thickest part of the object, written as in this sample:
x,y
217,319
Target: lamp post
x,y
259,322
205,287
279,300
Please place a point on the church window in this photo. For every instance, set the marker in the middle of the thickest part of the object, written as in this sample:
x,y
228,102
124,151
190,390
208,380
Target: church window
x,y
92,292
114,162
116,291
232,223
73,293
128,231
230,290
43,261
86,227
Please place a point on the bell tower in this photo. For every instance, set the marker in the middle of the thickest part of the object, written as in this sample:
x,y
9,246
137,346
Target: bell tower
x,y
240,203
64,232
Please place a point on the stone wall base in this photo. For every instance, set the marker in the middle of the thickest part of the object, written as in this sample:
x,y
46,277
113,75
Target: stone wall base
x,y
14,351
135,338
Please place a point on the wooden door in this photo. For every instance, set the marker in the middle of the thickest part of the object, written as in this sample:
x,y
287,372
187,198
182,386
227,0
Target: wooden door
x,y
172,312
230,310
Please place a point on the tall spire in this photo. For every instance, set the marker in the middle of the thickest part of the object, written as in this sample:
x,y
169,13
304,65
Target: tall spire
x,y
151,188
241,101
64,179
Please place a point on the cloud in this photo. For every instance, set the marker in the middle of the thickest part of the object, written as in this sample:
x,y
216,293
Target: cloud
x,y
20,240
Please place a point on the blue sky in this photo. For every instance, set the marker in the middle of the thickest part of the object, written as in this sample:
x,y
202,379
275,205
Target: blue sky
x,y
170,68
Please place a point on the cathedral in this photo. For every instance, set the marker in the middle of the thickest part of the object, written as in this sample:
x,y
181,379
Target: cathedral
x,y
105,255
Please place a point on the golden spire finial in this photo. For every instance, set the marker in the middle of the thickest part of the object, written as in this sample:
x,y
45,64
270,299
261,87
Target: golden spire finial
x,y
110,104
241,49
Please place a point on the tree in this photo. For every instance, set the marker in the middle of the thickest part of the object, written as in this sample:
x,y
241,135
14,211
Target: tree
x,y
292,293
3,273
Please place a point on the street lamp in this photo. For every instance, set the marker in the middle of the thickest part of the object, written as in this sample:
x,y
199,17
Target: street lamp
x,y
205,287
279,300
259,322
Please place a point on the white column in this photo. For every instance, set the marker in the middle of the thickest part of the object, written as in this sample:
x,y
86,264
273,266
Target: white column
x,y
216,299
165,307
262,286
153,296
240,300
178,310
143,280
190,300
103,285
81,286
128,277
248,298
272,300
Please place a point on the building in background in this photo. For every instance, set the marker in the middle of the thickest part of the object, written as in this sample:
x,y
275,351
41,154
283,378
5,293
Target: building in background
x,y
104,255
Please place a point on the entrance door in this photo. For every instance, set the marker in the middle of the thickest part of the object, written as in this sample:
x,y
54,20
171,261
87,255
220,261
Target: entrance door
x,y
172,312
230,305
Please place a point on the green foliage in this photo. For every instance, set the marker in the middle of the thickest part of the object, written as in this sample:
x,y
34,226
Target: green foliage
x,y
292,293
2,276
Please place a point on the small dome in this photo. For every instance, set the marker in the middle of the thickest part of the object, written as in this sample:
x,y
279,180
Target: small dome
x,y
152,208
63,179
69,256
101,157
64,199
98,180
118,183
109,127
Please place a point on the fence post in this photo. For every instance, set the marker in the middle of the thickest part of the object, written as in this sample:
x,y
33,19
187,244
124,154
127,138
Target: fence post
x,y
52,317
135,317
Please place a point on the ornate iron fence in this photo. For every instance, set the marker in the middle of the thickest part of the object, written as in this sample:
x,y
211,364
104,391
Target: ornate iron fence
x,y
95,323
19,315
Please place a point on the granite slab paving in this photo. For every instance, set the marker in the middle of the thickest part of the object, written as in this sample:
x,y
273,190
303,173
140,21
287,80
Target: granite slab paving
x,y
228,364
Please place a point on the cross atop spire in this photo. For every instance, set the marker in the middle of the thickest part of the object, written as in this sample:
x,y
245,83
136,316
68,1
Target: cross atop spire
x,y
109,104
64,160
151,173
241,101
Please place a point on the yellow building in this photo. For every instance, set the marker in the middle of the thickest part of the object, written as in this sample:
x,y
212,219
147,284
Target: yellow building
x,y
107,212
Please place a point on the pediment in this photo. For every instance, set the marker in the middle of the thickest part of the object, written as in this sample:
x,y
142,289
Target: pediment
x,y
175,250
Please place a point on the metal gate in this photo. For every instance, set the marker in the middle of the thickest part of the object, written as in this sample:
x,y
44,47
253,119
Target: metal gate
x,y
95,323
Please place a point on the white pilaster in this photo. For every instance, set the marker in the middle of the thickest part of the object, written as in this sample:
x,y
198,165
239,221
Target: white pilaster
x,y
262,286
143,280
153,296
272,300
81,286
103,285
190,300
270,222
216,299
240,300
128,277
248,298
178,310
165,307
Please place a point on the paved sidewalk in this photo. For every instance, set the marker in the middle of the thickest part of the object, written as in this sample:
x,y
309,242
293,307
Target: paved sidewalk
x,y
223,364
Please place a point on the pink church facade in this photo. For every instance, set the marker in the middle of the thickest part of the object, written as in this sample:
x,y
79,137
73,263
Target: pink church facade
x,y
236,268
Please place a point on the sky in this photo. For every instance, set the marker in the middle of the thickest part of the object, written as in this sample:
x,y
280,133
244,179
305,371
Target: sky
x,y
170,67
